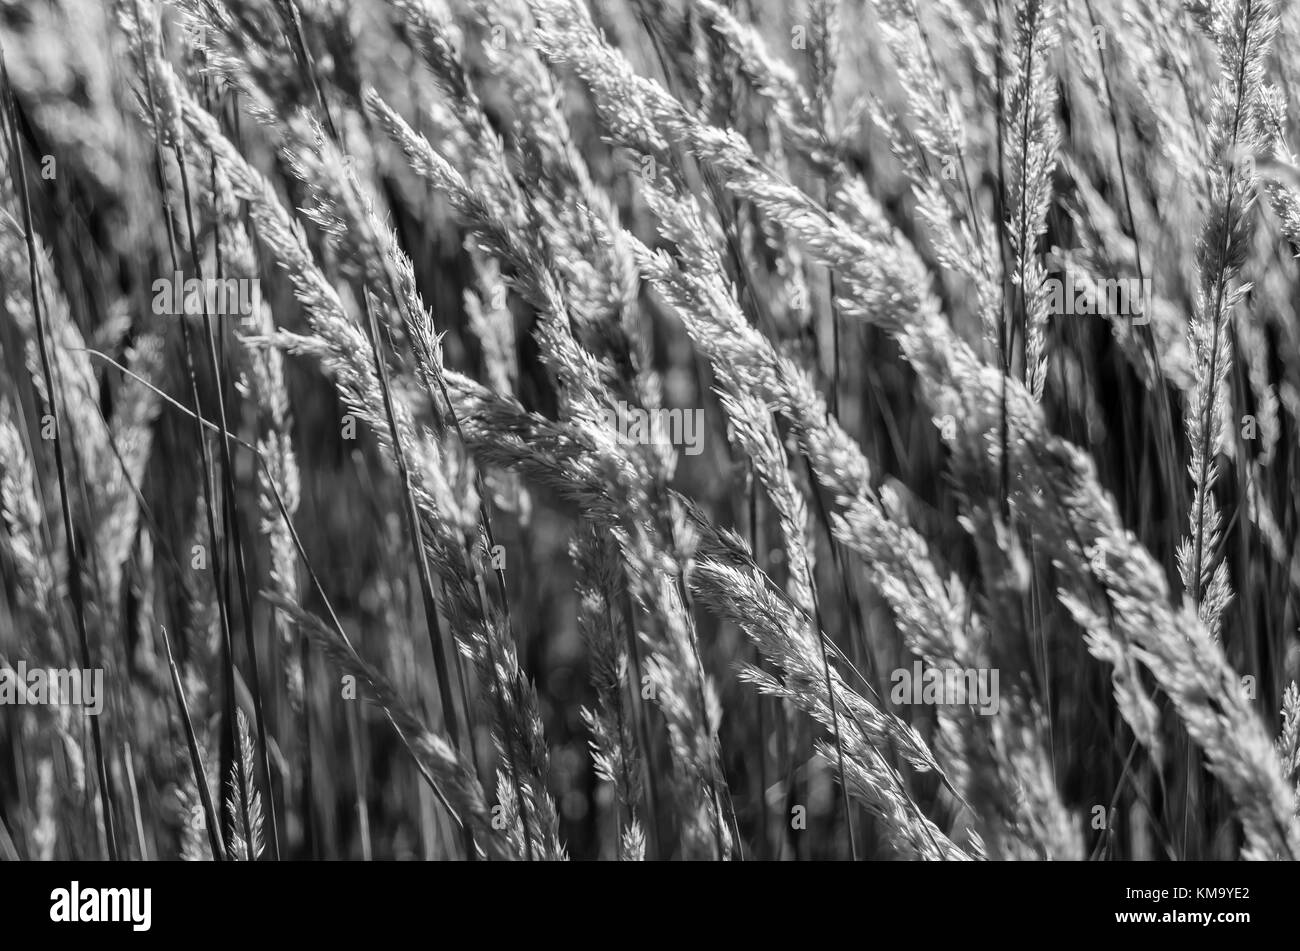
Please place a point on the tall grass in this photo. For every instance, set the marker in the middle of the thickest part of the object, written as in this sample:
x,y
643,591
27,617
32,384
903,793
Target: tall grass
x,y
970,325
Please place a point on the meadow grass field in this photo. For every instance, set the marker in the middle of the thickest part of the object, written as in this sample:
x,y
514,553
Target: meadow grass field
x,y
649,429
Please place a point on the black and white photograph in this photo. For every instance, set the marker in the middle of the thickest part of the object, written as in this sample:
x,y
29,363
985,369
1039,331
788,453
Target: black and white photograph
x,y
614,431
